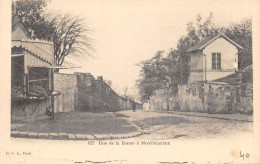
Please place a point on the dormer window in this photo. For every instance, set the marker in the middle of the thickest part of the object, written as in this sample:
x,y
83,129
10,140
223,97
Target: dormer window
x,y
216,61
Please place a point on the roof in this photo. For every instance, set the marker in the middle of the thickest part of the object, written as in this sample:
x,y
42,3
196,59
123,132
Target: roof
x,y
207,41
52,67
16,23
38,48
229,79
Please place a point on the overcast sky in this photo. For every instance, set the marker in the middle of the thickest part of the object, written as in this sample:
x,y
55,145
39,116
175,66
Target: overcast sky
x,y
126,32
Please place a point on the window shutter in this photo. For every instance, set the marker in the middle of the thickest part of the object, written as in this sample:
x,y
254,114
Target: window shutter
x,y
219,61
213,60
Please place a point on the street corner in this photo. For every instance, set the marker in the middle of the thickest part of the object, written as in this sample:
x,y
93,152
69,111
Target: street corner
x,y
53,136
80,137
90,137
63,136
22,135
71,136
14,133
43,136
32,135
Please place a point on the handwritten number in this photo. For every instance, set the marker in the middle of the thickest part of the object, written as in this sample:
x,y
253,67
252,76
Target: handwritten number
x,y
243,156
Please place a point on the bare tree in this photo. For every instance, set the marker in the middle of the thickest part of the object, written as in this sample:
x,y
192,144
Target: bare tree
x,y
69,33
70,37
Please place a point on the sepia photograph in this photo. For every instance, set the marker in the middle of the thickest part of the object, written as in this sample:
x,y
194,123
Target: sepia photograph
x,y
124,79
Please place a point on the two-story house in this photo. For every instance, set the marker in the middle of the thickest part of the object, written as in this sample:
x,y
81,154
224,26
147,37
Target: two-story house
x,y
213,58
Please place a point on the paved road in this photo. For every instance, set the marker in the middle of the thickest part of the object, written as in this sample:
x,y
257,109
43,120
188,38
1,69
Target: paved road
x,y
77,123
174,126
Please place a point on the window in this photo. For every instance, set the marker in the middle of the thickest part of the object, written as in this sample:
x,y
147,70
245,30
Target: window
x,y
38,81
216,61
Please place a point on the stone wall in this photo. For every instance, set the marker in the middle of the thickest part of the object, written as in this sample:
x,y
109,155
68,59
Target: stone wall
x,y
160,99
66,84
64,81
190,98
213,97
95,95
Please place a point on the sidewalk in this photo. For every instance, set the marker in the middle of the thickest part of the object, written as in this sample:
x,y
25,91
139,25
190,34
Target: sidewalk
x,y
235,117
77,126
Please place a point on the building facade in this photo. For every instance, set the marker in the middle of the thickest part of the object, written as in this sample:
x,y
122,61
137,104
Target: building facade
x,y
215,84
213,58
31,73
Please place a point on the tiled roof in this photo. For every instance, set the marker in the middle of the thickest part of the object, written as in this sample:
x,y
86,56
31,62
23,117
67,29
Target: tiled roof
x,y
205,42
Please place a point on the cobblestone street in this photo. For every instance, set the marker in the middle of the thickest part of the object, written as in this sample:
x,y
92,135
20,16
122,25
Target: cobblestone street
x,y
174,126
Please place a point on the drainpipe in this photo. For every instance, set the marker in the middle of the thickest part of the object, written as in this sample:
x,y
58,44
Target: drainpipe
x,y
205,67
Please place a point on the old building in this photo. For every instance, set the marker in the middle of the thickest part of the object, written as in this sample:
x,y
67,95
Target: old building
x,y
215,84
31,73
213,58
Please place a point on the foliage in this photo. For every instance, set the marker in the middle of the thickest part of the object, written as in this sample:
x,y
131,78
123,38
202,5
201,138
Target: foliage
x,y
241,33
169,72
69,33
30,13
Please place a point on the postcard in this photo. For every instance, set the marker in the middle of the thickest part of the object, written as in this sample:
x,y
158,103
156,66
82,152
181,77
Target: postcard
x,y
129,81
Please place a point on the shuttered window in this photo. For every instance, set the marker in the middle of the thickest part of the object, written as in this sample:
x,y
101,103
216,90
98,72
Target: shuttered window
x,y
216,61
213,60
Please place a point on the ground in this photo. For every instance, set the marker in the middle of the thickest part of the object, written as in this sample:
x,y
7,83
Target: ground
x,y
77,123
171,125
159,125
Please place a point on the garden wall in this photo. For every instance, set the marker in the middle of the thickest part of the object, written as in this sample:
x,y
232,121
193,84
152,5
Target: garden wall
x,y
66,84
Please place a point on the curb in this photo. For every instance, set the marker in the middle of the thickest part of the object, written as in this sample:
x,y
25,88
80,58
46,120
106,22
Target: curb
x,y
198,115
66,136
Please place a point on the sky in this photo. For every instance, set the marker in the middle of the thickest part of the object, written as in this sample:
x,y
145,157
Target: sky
x,y
125,32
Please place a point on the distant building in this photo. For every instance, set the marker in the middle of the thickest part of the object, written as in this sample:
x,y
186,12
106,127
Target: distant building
x,y
213,58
